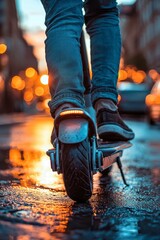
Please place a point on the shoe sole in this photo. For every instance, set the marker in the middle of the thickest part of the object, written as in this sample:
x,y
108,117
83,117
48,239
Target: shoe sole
x,y
114,133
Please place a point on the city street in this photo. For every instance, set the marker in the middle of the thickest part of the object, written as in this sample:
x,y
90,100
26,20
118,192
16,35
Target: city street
x,y
33,201
49,52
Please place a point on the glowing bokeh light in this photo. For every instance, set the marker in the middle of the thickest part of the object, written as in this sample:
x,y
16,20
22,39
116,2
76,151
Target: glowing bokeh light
x,y
30,72
28,96
44,79
122,75
153,74
17,83
3,48
39,91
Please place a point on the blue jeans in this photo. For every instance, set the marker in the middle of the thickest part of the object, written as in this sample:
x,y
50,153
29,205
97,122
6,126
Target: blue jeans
x,y
64,22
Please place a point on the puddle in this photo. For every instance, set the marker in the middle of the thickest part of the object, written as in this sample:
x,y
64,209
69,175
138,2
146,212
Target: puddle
x,y
27,168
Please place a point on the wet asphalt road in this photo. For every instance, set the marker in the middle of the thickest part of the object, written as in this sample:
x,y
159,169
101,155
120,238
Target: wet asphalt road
x,y
33,202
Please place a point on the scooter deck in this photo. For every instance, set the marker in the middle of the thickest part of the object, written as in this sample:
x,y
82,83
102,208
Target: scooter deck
x,y
112,151
109,148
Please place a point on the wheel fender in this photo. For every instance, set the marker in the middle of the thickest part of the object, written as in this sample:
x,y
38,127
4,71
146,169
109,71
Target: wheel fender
x,y
73,130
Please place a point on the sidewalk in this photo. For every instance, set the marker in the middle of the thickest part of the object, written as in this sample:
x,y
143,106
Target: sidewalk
x,y
10,119
18,118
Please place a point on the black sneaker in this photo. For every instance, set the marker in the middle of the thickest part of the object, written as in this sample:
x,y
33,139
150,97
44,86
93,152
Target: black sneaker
x,y
111,127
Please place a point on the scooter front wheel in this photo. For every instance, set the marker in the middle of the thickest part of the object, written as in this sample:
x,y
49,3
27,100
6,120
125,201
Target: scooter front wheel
x,y
76,170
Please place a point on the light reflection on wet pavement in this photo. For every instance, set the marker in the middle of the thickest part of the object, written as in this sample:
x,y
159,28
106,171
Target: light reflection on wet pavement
x,y
34,205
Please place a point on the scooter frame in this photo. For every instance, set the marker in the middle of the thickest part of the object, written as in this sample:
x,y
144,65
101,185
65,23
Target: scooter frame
x,y
103,154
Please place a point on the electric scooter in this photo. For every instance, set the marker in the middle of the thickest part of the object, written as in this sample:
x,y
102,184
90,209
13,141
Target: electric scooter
x,y
77,151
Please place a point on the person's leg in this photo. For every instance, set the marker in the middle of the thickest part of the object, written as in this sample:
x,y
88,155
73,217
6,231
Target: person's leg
x,y
64,21
103,27
102,21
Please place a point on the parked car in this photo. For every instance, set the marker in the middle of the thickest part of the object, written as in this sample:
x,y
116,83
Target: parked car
x,y
132,97
153,104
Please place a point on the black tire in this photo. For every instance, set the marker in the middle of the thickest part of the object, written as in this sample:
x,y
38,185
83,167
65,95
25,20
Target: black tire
x,y
76,169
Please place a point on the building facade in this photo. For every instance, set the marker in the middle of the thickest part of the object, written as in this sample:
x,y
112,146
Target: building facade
x,y
141,33
18,55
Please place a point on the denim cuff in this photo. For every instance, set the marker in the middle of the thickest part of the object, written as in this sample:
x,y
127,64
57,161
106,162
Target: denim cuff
x,y
106,93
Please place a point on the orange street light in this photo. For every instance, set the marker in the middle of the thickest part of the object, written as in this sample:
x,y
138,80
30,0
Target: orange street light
x,y
30,72
17,83
3,48
28,96
39,91
44,79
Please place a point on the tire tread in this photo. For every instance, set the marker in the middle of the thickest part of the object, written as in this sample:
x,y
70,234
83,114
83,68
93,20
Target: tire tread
x,y
76,170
